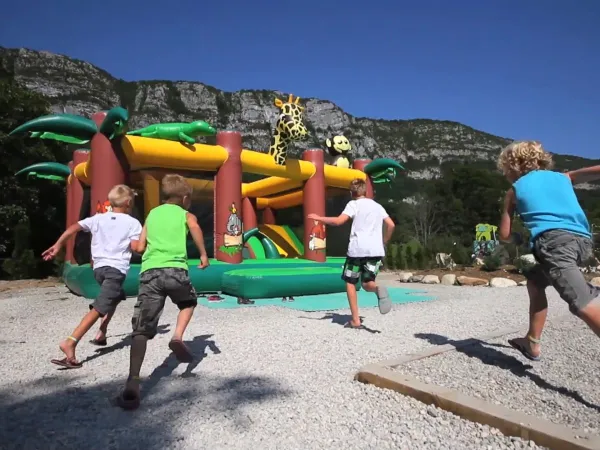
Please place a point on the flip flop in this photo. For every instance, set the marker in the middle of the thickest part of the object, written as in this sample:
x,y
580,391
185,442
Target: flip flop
x,y
182,353
128,401
354,327
99,343
383,300
67,363
524,351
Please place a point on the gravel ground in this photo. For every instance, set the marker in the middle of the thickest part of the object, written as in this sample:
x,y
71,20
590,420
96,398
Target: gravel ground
x,y
268,378
562,387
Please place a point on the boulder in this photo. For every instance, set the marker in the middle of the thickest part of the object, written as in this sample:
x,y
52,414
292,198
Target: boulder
x,y
449,279
595,281
471,281
502,282
416,278
523,283
404,277
430,279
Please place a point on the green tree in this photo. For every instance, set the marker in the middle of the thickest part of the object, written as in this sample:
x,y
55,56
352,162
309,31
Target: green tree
x,y
22,263
37,202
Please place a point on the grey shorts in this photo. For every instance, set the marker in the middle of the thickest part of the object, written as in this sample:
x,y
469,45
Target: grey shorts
x,y
155,286
559,254
111,290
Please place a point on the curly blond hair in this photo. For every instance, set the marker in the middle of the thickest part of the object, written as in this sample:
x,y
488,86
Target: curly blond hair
x,y
522,157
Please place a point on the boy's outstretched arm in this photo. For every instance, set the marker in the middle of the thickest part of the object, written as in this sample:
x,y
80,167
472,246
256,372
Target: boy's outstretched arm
x,y
508,212
584,175
335,221
198,238
55,249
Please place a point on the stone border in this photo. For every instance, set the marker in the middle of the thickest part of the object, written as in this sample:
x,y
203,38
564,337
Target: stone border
x,y
508,421
451,279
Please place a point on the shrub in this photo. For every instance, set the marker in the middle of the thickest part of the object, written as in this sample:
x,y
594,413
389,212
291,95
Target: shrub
x,y
408,254
491,262
461,255
22,263
522,265
400,258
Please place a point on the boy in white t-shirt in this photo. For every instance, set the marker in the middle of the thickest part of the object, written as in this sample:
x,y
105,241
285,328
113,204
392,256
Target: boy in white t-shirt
x,y
366,248
114,235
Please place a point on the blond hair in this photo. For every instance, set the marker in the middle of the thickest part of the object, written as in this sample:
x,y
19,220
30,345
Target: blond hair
x,y
522,157
120,195
175,187
358,187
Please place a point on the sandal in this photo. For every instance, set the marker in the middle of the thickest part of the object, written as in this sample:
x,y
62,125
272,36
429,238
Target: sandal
x,y
182,353
354,327
98,342
128,400
383,300
514,343
67,363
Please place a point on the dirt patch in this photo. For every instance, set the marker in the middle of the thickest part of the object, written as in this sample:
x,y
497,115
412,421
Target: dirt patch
x,y
18,285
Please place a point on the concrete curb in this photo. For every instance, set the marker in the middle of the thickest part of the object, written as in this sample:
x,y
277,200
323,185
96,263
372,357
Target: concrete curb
x,y
508,421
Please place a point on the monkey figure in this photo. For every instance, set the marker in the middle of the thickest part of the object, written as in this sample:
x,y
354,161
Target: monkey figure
x,y
339,147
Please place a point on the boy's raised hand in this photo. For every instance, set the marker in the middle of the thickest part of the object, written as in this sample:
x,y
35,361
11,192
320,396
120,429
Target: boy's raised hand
x,y
51,252
203,262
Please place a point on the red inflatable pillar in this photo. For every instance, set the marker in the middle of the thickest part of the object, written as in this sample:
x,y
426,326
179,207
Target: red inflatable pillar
x,y
268,217
360,164
70,219
74,199
228,241
249,213
314,203
106,169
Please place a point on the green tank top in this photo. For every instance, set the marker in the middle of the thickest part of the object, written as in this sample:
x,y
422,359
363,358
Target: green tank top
x,y
166,236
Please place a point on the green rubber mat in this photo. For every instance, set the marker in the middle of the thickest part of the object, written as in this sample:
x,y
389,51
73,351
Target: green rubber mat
x,y
327,302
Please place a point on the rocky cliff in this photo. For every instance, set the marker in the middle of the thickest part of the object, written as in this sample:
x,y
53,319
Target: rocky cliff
x,y
77,87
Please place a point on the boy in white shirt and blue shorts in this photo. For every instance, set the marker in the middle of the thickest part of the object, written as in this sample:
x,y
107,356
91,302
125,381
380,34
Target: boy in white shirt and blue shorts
x,y
366,248
114,235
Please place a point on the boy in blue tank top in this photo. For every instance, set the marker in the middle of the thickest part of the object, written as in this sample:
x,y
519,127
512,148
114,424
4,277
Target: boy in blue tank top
x,y
560,236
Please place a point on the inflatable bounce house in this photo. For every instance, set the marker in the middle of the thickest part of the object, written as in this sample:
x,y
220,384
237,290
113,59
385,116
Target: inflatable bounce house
x,y
252,257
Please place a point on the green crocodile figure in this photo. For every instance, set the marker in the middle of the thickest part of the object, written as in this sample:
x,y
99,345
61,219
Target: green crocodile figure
x,y
184,132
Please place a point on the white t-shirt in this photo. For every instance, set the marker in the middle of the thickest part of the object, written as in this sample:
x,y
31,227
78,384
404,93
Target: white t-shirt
x,y
366,235
112,234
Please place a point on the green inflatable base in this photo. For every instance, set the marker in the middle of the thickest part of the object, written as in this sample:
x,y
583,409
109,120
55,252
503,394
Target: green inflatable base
x,y
80,279
282,282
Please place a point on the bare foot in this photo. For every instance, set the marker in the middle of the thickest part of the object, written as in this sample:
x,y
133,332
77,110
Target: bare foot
x,y
68,348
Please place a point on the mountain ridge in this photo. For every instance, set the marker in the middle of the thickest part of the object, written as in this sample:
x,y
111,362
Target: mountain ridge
x,y
422,145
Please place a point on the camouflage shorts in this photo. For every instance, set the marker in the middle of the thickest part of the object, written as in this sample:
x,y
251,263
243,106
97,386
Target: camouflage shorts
x,y
155,286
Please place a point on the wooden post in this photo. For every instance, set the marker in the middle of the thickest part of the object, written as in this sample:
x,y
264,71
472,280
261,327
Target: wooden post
x,y
268,216
106,167
314,203
228,242
74,200
360,164
249,213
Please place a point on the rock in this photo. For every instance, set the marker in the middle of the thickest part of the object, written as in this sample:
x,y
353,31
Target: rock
x,y
523,283
502,282
595,281
430,279
528,259
404,277
449,279
416,278
478,262
471,281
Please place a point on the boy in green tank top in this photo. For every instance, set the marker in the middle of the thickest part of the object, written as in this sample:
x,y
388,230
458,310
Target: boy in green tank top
x,y
164,273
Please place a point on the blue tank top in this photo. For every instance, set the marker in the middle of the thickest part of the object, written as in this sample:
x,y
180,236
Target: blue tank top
x,y
546,201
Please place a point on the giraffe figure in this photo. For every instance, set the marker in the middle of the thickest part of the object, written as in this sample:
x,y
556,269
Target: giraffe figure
x,y
289,127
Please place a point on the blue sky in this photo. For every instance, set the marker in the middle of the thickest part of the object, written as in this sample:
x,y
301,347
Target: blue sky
x,y
519,69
